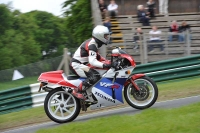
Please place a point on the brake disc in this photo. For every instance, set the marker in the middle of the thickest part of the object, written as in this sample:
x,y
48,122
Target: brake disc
x,y
142,94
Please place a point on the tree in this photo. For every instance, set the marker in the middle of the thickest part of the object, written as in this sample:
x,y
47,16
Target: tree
x,y
17,46
23,36
11,49
79,21
51,33
25,25
6,18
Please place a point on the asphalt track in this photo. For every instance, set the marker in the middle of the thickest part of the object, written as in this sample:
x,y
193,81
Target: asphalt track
x,y
126,110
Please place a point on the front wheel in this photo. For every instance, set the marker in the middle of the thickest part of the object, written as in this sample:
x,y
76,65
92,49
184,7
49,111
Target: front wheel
x,y
145,97
61,106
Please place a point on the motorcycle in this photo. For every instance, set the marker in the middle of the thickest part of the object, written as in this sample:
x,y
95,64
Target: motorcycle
x,y
64,100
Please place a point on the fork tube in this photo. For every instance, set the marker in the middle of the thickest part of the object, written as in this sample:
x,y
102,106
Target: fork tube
x,y
134,84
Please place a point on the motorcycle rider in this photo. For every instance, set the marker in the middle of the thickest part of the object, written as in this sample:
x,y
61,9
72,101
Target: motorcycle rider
x,y
88,53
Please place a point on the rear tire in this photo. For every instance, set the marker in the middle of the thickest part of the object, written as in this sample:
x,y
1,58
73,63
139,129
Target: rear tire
x,y
146,97
61,106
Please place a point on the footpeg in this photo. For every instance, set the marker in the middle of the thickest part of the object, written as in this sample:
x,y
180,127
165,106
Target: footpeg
x,y
70,90
83,106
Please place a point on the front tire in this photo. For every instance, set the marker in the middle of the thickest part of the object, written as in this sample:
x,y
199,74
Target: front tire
x,y
144,98
61,106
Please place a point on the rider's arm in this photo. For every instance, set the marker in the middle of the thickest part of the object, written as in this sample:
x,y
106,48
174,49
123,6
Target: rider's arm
x,y
93,60
100,58
93,56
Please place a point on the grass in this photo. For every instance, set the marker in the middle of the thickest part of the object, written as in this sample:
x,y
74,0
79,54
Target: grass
x,y
18,83
167,91
180,88
179,120
25,117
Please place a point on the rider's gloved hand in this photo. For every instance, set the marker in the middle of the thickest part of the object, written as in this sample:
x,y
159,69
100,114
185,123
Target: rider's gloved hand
x,y
107,66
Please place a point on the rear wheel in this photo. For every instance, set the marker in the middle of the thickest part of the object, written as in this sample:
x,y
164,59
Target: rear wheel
x,y
61,106
144,98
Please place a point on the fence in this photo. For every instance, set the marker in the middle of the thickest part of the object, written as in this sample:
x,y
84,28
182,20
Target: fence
x,y
30,70
171,49
27,97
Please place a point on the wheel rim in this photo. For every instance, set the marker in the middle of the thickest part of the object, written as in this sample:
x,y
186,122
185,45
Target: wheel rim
x,y
145,97
62,105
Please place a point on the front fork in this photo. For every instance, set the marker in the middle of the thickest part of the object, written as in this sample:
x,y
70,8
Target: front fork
x,y
131,80
134,84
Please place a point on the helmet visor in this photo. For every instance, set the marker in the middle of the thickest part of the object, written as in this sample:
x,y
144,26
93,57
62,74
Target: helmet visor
x,y
107,37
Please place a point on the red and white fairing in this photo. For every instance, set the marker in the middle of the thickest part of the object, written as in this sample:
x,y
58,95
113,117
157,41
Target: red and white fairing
x,y
58,78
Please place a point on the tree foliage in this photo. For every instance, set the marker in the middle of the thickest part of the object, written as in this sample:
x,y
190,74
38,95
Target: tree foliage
x,y
79,21
6,18
25,36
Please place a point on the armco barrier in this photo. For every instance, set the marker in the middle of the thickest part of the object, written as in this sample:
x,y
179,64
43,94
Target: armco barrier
x,y
21,98
175,73
170,69
15,92
26,97
167,64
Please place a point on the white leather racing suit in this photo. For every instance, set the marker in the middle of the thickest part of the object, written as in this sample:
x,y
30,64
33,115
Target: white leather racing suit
x,y
86,53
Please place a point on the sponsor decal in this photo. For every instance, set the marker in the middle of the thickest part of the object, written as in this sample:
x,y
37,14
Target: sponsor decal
x,y
104,84
104,97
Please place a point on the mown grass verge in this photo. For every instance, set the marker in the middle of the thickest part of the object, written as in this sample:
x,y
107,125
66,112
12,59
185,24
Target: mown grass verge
x,y
179,120
17,83
167,91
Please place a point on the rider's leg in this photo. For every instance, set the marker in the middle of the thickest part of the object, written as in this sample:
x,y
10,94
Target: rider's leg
x,y
92,77
79,69
84,71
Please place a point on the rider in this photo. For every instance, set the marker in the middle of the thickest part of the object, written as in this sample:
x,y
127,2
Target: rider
x,y
88,53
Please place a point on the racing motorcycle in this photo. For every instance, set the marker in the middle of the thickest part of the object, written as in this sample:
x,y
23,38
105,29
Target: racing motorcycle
x,y
65,100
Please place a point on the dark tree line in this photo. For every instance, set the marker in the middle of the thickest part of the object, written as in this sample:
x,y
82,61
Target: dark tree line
x,y
25,37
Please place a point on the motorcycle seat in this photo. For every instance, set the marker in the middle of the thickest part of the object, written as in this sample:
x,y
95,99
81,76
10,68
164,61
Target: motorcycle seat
x,y
73,77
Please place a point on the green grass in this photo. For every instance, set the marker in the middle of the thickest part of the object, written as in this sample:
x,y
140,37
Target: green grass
x,y
167,91
25,117
18,83
179,120
178,89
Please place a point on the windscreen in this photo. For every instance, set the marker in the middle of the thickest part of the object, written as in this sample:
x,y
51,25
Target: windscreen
x,y
122,51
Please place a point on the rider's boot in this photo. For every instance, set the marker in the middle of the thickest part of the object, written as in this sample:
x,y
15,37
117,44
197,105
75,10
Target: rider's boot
x,y
79,95
85,87
80,91
87,92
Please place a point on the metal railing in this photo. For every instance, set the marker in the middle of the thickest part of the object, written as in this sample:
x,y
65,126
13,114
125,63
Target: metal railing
x,y
33,69
143,54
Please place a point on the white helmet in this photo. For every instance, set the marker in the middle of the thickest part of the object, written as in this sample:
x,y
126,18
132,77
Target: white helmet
x,y
99,33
